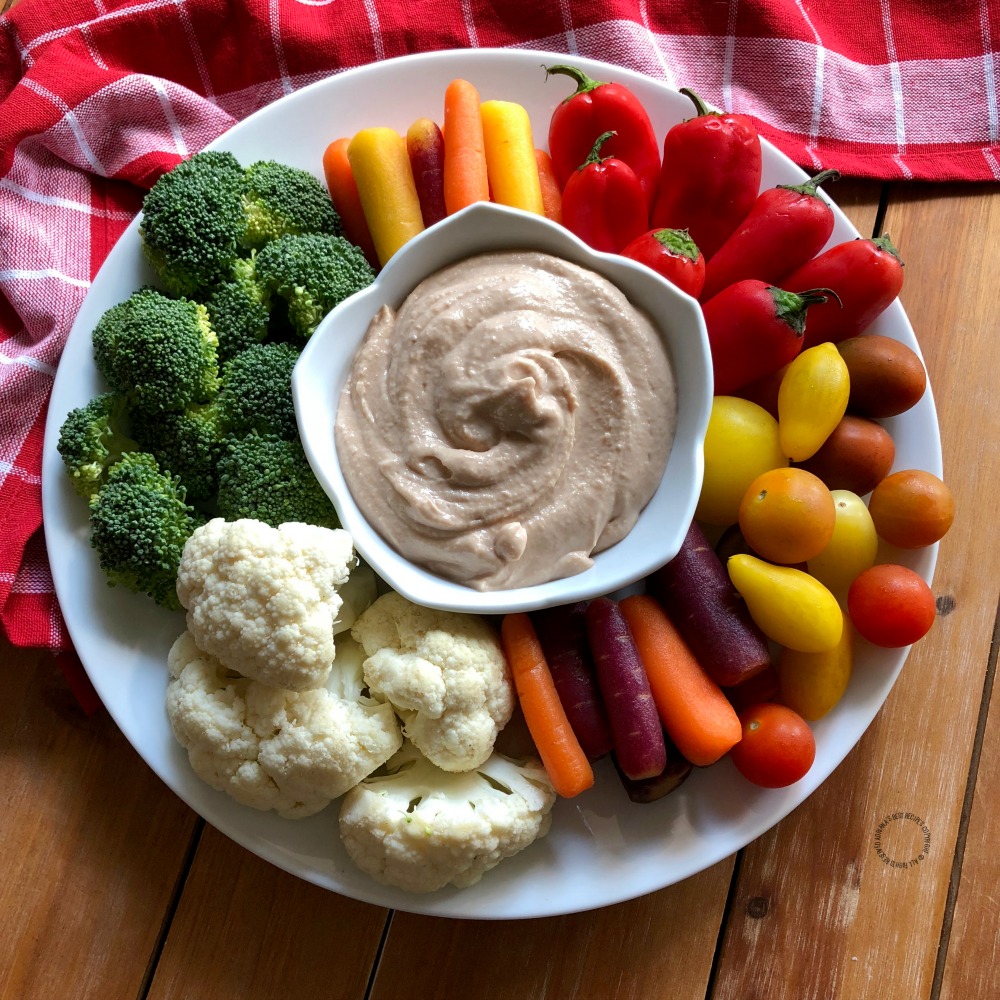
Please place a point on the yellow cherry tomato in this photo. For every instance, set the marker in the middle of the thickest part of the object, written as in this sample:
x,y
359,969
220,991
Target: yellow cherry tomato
x,y
790,606
741,443
812,399
812,683
852,547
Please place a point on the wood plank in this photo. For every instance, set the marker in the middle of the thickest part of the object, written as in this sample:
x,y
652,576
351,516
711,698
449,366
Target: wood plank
x,y
244,928
92,843
629,950
816,886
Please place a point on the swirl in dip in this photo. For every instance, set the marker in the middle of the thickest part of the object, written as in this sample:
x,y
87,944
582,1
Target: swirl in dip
x,y
509,421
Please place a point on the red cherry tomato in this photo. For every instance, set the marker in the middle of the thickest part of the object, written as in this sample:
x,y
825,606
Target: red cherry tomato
x,y
777,747
673,254
890,605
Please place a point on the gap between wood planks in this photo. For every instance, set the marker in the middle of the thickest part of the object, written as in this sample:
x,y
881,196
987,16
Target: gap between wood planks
x,y
963,824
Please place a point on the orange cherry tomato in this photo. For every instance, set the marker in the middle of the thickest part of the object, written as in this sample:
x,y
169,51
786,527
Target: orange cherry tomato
x,y
912,508
787,515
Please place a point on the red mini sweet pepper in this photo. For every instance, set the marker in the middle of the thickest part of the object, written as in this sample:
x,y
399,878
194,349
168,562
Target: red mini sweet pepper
x,y
710,176
603,202
867,275
754,329
596,107
673,254
786,226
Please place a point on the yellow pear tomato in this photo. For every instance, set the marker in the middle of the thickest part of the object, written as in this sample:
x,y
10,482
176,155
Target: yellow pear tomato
x,y
852,547
791,607
812,399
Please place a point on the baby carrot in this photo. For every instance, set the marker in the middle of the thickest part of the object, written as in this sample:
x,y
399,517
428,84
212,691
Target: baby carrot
x,y
692,707
465,177
510,156
388,194
564,760
425,146
551,191
344,194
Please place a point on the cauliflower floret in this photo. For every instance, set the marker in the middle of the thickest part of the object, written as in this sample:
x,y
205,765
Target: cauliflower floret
x,y
419,828
264,600
271,748
444,673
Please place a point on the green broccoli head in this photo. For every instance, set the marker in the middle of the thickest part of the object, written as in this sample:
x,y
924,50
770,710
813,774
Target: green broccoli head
x,y
193,222
312,273
239,310
185,444
158,351
256,393
92,438
139,522
279,200
268,478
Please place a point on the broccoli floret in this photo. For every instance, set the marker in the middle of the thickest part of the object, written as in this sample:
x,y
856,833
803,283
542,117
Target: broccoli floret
x,y
256,393
313,273
268,478
186,445
139,522
238,310
92,438
160,352
279,200
193,222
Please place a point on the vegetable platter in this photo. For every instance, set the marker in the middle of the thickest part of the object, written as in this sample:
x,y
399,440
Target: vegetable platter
x,y
601,848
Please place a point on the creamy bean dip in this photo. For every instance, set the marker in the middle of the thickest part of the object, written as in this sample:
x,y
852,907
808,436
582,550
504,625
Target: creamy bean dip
x,y
509,421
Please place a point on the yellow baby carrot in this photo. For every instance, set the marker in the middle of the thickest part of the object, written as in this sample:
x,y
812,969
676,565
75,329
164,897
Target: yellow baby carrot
x,y
510,156
381,167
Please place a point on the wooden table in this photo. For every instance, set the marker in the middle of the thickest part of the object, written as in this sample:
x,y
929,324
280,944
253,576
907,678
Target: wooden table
x,y
113,888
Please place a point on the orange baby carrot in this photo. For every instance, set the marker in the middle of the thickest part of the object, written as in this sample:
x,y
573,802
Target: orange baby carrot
x,y
465,177
344,193
565,762
692,707
551,192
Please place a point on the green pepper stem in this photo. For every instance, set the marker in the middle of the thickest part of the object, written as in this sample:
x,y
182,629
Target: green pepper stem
x,y
677,241
700,106
790,307
809,187
886,245
584,84
594,156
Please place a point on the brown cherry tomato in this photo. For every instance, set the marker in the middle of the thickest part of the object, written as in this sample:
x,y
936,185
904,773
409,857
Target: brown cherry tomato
x,y
857,456
887,377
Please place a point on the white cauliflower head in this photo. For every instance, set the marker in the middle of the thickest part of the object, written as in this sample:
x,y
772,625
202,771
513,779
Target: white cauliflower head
x,y
271,748
444,673
419,828
264,601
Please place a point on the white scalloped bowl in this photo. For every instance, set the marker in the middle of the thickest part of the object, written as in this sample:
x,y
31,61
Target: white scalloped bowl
x,y
326,361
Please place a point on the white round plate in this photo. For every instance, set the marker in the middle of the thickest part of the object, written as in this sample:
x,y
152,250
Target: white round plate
x,y
601,849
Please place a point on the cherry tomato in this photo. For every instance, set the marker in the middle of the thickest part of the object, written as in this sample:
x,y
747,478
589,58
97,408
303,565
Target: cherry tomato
x,y
891,606
741,443
912,508
787,515
777,747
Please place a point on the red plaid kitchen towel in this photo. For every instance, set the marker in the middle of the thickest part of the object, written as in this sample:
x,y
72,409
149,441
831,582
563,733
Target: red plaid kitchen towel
x,y
98,97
